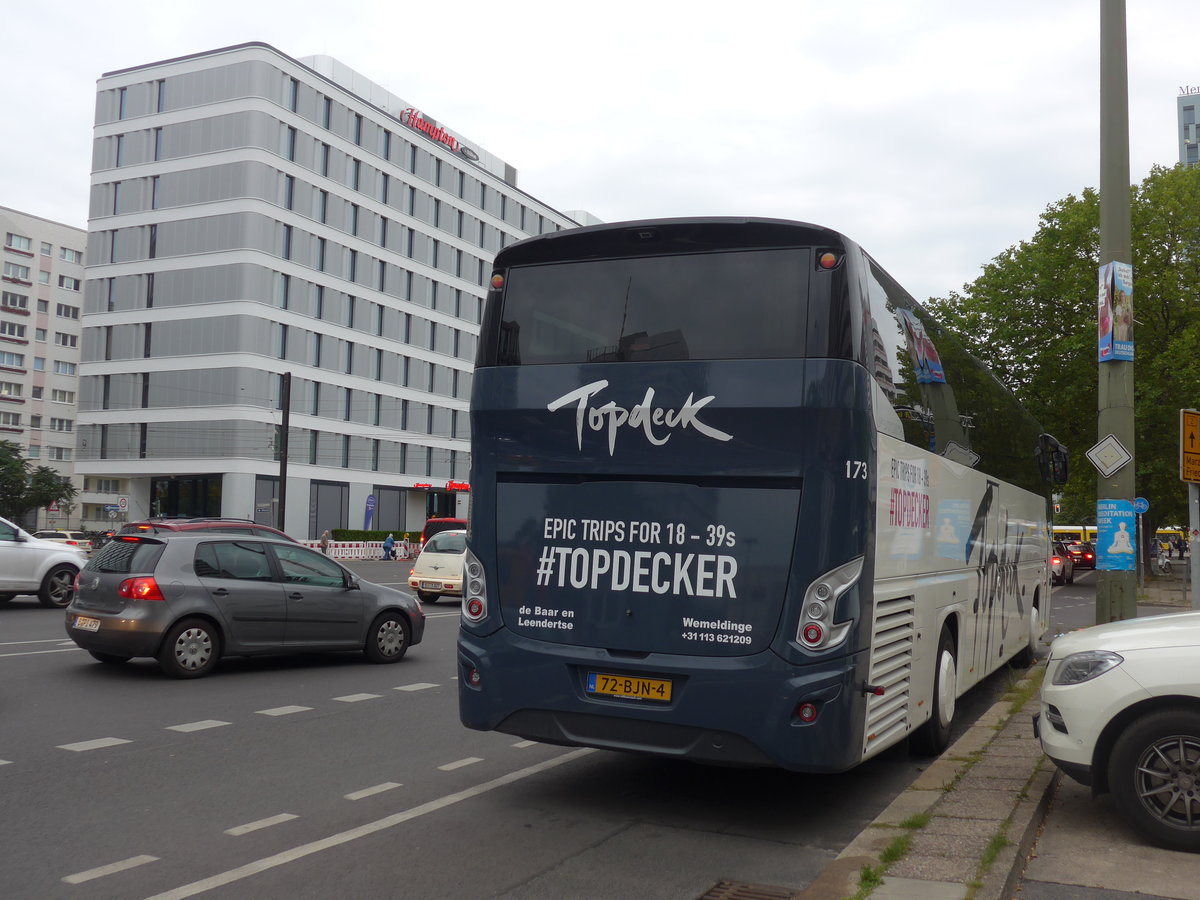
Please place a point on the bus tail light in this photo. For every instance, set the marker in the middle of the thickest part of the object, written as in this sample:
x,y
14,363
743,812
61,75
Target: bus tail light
x,y
817,630
474,606
807,712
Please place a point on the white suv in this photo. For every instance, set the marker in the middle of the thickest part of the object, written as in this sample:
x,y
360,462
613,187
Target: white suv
x,y
29,565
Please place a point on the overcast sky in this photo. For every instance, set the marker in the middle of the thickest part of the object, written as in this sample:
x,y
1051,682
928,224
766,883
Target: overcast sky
x,y
933,132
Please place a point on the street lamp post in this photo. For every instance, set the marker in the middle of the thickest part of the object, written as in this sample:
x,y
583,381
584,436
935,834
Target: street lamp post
x,y
1116,593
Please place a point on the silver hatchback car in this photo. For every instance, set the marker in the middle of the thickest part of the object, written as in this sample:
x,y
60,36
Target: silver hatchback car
x,y
189,598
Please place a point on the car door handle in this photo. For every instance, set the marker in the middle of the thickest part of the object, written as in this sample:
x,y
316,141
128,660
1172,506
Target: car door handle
x,y
296,596
221,592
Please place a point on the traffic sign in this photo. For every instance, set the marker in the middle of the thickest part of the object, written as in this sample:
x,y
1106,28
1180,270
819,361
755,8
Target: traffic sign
x,y
1189,445
1141,505
122,503
112,507
53,507
1109,456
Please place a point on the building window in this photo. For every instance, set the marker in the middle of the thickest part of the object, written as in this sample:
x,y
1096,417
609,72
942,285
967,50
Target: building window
x,y
358,122
289,191
64,368
291,143
37,392
66,340
326,112
325,160
14,301
35,422
62,454
293,93
43,277
18,272
66,282
10,419
66,311
71,256
39,335
62,424
47,248
59,396
12,330
19,242
14,389
43,306
39,364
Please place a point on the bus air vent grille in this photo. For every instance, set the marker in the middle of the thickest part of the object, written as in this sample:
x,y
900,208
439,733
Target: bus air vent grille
x,y
893,635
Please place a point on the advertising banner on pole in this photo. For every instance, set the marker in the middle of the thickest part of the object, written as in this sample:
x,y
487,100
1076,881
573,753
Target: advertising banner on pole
x,y
1115,311
1116,538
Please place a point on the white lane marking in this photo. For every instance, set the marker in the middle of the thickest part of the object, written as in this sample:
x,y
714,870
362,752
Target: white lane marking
x,y
38,652
458,764
334,840
81,746
372,791
5,762
283,710
198,726
356,698
58,641
261,823
523,744
110,869
418,686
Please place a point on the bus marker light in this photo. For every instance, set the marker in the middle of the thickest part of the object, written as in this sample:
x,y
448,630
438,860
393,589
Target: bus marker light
x,y
474,678
497,281
474,608
875,690
813,633
828,260
806,712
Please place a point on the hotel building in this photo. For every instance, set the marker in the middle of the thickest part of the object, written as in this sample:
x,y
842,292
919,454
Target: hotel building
x,y
254,216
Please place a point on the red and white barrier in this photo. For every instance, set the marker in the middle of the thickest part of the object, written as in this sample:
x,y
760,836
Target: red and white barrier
x,y
359,549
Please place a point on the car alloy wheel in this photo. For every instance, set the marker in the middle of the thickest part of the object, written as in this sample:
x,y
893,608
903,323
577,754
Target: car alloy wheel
x,y
1154,774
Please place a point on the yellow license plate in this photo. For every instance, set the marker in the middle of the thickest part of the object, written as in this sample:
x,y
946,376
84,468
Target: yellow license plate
x,y
629,686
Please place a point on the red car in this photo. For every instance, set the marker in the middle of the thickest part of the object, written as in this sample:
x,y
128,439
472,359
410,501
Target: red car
x,y
1082,554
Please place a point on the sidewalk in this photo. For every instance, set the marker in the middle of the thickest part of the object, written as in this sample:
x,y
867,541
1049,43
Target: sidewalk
x,y
993,819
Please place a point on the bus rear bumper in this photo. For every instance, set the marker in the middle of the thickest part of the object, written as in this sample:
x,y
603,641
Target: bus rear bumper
x,y
736,711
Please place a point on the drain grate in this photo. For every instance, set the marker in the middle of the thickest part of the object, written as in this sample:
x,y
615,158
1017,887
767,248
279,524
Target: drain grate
x,y
742,890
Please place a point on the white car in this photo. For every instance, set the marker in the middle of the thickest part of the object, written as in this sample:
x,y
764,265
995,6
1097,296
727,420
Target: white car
x,y
29,565
62,536
1121,712
438,570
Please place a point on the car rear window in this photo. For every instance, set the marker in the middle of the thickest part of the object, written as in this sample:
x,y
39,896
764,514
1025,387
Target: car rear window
x,y
447,542
125,557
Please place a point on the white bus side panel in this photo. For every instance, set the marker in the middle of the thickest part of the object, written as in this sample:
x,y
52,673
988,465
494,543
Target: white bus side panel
x,y
952,545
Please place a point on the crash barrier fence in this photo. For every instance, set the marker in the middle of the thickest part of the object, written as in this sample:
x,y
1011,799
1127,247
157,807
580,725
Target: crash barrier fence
x,y
363,549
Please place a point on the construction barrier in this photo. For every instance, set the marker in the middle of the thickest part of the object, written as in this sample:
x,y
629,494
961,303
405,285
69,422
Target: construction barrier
x,y
358,549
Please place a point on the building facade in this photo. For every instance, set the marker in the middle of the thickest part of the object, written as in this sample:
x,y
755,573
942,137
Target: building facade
x,y
40,326
1189,140
254,216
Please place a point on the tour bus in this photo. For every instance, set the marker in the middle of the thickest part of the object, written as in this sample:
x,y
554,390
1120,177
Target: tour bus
x,y
738,499
1075,533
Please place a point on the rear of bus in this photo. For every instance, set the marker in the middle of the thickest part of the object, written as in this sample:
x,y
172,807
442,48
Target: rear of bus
x,y
671,507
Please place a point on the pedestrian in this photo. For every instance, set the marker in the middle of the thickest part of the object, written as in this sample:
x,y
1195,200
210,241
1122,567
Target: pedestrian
x,y
388,543
1180,545
405,548
325,542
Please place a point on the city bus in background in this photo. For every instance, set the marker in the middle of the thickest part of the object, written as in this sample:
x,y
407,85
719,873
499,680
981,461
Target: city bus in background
x,y
737,498
1075,533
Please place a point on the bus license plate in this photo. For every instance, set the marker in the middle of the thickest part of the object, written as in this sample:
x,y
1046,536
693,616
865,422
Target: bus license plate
x,y
629,686
84,623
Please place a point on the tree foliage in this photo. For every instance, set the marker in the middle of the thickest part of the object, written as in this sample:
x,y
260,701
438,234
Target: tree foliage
x,y
24,487
1032,315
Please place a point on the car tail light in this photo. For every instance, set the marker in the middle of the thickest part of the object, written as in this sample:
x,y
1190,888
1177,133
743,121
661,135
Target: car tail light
x,y
140,589
1055,560
75,585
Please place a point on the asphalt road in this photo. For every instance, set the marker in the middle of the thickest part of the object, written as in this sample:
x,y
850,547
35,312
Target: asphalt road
x,y
323,776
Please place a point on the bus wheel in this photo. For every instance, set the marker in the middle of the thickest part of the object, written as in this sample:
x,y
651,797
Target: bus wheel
x,y
934,736
1027,655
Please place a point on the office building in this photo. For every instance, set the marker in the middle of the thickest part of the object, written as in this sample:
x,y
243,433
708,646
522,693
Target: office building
x,y
252,216
1189,140
40,316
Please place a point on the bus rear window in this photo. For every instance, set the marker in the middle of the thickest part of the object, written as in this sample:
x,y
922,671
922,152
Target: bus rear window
x,y
740,304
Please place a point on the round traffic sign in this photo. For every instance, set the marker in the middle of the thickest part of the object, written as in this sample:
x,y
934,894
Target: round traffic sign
x,y
1141,505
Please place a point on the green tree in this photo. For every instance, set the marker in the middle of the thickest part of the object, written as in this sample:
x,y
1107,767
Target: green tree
x,y
1032,315
24,487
